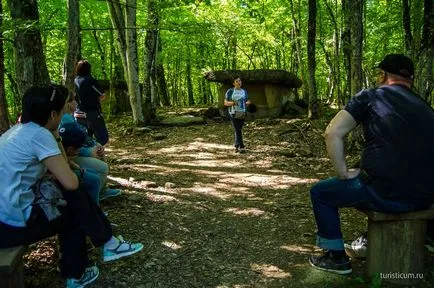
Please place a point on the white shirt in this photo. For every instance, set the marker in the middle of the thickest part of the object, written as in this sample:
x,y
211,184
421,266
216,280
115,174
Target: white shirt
x,y
22,149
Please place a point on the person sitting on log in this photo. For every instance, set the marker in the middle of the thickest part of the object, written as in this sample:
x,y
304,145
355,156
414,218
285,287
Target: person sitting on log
x,y
396,163
31,211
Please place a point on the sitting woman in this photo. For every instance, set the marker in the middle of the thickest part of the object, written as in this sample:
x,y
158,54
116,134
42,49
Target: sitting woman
x,y
90,155
27,151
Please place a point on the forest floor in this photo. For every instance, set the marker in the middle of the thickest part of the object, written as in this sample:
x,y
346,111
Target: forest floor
x,y
211,218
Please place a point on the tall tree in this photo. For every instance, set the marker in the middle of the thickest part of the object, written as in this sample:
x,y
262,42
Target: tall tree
x,y
73,44
299,64
356,9
132,62
311,62
419,43
30,65
150,67
4,117
163,96
127,46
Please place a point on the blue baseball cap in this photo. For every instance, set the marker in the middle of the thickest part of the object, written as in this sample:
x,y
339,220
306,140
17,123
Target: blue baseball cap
x,y
72,135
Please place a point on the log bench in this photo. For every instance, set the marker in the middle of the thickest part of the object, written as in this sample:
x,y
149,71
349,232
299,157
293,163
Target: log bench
x,y
396,245
11,267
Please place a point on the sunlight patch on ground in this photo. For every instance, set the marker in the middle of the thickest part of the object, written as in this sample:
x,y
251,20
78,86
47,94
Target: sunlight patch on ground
x,y
246,212
297,249
145,168
270,271
160,198
209,191
192,146
266,181
207,163
171,245
264,163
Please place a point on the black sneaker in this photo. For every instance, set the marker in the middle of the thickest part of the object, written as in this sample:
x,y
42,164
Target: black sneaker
x,y
325,262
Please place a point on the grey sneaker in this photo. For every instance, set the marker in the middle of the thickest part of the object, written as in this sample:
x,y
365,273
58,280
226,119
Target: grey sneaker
x,y
358,248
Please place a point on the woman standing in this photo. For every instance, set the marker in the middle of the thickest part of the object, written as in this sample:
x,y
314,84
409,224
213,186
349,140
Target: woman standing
x,y
90,94
236,99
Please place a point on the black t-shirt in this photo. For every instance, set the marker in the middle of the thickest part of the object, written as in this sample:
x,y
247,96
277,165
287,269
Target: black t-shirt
x,y
88,91
398,127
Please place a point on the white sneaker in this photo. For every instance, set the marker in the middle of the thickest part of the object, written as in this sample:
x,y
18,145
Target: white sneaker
x,y
358,248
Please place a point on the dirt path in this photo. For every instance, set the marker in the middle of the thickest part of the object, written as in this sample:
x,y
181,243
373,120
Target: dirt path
x,y
209,217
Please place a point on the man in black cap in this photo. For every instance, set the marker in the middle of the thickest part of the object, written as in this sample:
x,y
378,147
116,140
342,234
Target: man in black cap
x,y
396,162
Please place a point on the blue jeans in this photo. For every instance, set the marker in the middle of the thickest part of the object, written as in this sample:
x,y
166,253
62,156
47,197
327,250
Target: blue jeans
x,y
96,165
91,183
329,195
238,126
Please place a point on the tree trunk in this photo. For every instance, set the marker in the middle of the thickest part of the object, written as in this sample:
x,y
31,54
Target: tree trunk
x,y
127,44
30,65
132,64
4,117
149,82
419,43
190,95
162,86
335,57
346,48
311,63
73,43
299,52
408,37
356,45
118,23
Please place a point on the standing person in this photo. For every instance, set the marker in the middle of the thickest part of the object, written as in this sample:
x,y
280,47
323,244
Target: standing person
x,y
90,95
236,99
396,163
27,151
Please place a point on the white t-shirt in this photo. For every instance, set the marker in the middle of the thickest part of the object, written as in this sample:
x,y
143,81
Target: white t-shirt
x,y
239,96
22,149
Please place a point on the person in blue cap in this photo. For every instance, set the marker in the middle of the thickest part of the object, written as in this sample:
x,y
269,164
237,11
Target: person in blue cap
x,y
396,162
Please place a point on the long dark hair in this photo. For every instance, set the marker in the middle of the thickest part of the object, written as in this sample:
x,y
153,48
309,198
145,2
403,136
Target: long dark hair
x,y
40,101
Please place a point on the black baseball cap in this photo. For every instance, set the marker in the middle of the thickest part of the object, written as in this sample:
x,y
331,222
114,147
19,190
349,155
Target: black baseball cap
x,y
72,135
398,64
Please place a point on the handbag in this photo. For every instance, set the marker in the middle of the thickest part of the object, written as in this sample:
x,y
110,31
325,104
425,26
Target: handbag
x,y
240,115
48,196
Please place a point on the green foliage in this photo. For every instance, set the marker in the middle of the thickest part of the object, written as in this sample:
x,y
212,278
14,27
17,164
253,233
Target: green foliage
x,y
219,34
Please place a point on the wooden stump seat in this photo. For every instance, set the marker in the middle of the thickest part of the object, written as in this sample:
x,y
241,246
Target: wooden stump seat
x,y
396,245
11,267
